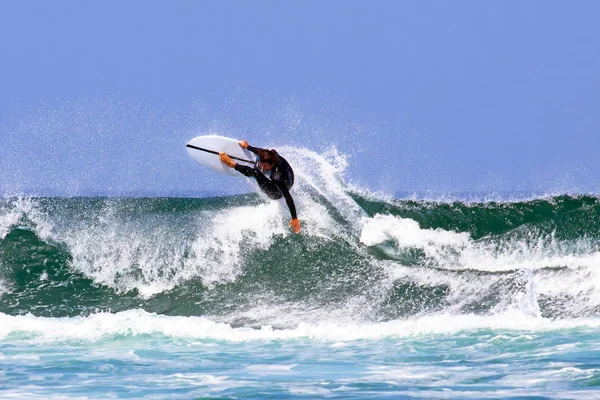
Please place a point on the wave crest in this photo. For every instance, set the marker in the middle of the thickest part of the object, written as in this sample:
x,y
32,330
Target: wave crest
x,y
359,256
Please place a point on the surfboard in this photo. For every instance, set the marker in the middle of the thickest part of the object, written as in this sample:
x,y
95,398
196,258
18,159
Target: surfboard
x,y
205,151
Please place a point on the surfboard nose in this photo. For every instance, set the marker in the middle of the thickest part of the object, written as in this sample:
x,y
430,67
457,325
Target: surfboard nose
x,y
205,151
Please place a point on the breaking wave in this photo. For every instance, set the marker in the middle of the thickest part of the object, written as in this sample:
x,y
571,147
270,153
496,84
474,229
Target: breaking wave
x,y
361,258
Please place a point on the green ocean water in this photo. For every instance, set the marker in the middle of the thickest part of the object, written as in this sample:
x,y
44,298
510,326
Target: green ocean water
x,y
76,256
376,298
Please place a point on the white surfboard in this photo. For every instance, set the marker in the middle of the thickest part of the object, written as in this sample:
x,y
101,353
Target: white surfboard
x,y
205,151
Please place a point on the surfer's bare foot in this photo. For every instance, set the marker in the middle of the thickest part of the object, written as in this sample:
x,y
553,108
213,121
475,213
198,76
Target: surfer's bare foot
x,y
294,223
225,158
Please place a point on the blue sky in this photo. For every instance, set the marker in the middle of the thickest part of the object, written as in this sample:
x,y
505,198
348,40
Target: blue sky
x,y
99,97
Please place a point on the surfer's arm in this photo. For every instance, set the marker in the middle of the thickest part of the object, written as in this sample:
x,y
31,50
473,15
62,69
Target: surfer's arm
x,y
253,149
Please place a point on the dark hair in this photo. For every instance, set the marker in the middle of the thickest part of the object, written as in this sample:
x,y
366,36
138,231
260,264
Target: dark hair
x,y
269,157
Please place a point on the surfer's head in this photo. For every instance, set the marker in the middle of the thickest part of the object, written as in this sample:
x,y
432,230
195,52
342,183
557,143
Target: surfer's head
x,y
268,158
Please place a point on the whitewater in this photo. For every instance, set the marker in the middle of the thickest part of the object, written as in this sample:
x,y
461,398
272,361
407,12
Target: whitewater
x,y
377,297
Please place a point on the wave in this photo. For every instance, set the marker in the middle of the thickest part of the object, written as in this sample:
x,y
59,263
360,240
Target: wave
x,y
138,323
566,216
360,257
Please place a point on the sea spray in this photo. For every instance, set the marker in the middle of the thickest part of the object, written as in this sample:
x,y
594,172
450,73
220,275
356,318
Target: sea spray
x,y
359,257
216,297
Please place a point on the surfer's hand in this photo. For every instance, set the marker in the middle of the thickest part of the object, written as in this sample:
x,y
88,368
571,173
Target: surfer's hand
x,y
243,143
294,223
225,158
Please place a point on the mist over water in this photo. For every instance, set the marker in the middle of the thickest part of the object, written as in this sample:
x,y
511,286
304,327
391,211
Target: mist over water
x,y
376,294
428,293
360,258
108,145
446,182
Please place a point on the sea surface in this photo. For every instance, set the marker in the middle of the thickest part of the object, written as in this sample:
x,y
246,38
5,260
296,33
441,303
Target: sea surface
x,y
378,297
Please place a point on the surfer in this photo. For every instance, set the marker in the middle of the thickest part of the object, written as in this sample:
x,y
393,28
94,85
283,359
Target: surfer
x,y
270,164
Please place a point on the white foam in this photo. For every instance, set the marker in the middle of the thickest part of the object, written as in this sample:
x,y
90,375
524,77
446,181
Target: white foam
x,y
23,211
126,249
217,253
132,250
527,378
199,379
454,250
4,286
407,233
310,391
138,322
540,259
124,254
457,251
147,255
324,174
271,369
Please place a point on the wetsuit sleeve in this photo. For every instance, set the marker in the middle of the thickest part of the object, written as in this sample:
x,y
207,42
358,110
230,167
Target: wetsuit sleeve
x,y
253,149
288,198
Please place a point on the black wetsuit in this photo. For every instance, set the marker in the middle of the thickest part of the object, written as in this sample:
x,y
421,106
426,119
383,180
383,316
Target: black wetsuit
x,y
282,179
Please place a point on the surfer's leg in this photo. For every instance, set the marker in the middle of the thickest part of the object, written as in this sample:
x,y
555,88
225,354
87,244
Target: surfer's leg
x,y
263,182
247,171
268,186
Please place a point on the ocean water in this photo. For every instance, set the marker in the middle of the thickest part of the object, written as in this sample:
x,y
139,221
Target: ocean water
x,y
376,298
